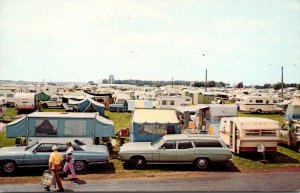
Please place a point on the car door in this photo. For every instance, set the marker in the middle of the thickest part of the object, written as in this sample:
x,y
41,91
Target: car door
x,y
185,151
283,133
167,152
39,156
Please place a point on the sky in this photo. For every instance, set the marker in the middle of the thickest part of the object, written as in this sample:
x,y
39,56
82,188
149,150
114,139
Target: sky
x,y
86,40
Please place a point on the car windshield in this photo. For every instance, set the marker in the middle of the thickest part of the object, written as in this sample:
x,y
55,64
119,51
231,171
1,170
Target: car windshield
x,y
28,147
156,141
80,143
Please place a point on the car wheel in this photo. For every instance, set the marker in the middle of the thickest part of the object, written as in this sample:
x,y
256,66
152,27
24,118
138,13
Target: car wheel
x,y
9,167
201,163
259,111
79,166
139,163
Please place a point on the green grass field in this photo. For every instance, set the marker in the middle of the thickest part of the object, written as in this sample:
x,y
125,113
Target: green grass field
x,y
284,157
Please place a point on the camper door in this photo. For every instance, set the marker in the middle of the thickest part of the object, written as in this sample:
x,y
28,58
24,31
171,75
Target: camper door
x,y
233,137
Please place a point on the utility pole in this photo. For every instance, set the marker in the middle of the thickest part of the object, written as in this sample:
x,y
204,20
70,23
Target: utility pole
x,y
282,82
205,80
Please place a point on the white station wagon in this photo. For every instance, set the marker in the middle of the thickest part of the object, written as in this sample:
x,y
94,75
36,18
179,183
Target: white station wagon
x,y
196,149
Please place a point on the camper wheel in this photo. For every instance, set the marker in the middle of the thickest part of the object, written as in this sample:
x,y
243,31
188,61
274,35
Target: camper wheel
x,y
139,162
201,163
259,111
79,166
9,167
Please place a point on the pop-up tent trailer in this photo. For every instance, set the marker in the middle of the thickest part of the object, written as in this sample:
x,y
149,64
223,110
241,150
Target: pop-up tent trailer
x,y
55,124
151,124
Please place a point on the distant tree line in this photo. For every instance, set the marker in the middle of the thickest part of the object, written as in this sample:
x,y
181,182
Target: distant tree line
x,y
277,86
148,82
210,83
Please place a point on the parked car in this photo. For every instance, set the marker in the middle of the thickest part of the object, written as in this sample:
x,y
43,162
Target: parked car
x,y
198,149
53,102
117,107
290,134
37,155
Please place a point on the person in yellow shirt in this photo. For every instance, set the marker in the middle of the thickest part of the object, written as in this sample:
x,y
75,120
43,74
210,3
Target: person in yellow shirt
x,y
55,165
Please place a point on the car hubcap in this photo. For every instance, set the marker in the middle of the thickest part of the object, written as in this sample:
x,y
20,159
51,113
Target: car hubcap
x,y
202,163
79,165
9,167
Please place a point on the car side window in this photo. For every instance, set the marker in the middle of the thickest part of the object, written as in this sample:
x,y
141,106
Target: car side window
x,y
62,148
185,145
207,144
169,145
44,147
285,127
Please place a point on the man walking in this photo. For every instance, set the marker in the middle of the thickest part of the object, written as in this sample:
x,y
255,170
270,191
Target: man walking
x,y
55,163
70,161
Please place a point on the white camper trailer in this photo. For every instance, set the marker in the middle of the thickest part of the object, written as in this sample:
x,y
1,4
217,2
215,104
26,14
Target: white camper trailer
x,y
25,101
259,104
170,102
246,134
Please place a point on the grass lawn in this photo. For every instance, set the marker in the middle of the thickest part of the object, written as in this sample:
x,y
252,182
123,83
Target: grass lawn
x,y
121,120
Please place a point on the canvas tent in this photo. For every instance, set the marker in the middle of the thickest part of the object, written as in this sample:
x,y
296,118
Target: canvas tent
x,y
42,96
85,105
54,124
293,110
151,124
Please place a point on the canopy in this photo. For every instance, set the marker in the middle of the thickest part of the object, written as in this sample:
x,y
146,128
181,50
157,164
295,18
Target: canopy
x,y
54,124
192,108
42,96
154,116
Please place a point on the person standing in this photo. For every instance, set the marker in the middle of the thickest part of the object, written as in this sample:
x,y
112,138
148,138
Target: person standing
x,y
55,163
70,161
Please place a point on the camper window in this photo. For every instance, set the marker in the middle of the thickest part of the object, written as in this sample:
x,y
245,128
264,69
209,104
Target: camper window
x,y
10,95
268,133
185,145
249,133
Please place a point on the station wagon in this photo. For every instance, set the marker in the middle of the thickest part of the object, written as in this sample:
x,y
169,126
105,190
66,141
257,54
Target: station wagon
x,y
196,149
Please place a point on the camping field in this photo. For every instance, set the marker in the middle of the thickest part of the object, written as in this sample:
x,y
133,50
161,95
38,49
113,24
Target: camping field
x,y
284,157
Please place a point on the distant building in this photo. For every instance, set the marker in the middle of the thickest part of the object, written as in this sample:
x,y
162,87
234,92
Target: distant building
x,y
111,79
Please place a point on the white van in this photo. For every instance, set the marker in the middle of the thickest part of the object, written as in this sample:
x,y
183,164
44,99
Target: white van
x,y
25,101
259,104
246,134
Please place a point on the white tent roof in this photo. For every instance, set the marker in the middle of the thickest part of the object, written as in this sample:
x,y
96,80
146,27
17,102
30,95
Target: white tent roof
x,y
191,108
154,116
